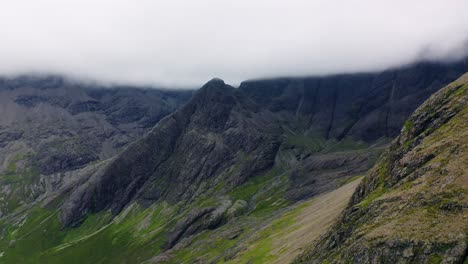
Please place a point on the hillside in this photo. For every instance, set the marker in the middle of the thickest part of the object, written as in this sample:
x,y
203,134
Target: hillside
x,y
413,205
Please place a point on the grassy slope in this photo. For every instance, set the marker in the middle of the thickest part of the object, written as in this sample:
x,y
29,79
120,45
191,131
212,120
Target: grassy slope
x,y
284,238
277,237
138,234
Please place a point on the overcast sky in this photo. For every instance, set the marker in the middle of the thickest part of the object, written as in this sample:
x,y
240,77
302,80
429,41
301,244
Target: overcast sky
x,y
186,43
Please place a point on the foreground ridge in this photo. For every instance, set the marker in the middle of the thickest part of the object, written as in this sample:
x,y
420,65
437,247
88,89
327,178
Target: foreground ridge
x,y
413,205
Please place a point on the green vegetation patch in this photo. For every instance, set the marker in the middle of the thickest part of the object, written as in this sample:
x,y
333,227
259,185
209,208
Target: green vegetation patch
x,y
254,185
40,238
408,125
312,143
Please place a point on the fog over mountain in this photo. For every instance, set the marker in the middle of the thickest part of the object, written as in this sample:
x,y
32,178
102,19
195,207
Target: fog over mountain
x,y
185,43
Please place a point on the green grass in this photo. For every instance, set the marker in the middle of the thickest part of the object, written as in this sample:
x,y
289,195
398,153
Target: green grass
x,y
408,125
253,185
345,144
217,246
382,174
310,142
316,143
260,250
11,169
18,182
435,259
41,239
374,195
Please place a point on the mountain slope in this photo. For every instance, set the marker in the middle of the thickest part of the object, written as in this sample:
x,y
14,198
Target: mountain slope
x,y
413,206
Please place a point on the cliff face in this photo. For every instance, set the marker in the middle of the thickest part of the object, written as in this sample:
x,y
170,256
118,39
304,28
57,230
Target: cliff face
x,y
413,205
360,106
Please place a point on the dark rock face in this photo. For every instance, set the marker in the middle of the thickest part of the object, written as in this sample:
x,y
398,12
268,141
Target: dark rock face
x,y
318,173
362,106
195,220
411,208
64,155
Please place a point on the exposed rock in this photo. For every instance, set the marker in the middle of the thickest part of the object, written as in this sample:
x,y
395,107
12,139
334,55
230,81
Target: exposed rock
x,y
239,207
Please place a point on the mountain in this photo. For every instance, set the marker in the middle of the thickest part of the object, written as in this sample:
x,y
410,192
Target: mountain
x,y
51,126
215,180
223,130
359,106
413,206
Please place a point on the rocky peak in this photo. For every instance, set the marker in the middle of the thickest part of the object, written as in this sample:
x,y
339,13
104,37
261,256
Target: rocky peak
x,y
180,156
214,83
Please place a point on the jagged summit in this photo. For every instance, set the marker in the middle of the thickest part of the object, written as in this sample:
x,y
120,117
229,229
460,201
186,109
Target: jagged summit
x,y
214,88
214,82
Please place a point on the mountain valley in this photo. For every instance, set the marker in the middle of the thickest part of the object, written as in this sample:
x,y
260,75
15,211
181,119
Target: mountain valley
x,y
254,174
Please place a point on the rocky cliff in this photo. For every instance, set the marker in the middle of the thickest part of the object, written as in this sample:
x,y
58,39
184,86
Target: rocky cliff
x,y
413,205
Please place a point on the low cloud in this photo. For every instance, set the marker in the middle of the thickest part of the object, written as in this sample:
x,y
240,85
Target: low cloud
x,y
185,43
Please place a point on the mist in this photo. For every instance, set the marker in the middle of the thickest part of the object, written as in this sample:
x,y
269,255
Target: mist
x,y
185,43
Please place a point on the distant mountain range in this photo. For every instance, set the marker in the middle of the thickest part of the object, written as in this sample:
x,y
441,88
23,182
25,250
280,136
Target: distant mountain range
x,y
221,175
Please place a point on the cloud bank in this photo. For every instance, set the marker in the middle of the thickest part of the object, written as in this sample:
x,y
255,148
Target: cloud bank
x,y
184,43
